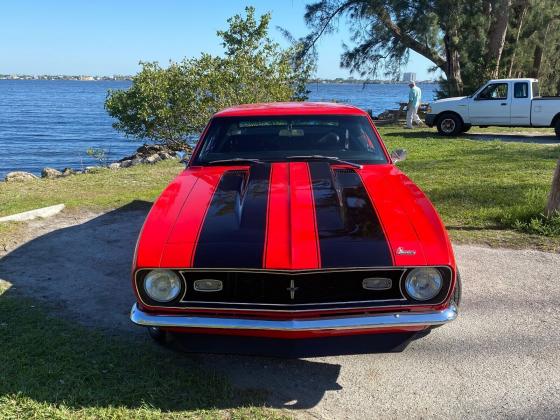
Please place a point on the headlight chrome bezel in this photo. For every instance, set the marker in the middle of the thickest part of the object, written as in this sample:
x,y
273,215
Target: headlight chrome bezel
x,y
177,287
412,293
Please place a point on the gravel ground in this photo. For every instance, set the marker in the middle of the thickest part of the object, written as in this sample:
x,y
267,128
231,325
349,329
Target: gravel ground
x,y
500,358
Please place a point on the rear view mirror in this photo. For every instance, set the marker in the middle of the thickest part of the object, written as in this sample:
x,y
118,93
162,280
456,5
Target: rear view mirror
x,y
398,155
294,132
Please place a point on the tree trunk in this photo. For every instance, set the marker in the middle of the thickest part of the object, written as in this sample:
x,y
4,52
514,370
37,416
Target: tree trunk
x,y
538,55
537,60
553,205
453,67
497,35
519,26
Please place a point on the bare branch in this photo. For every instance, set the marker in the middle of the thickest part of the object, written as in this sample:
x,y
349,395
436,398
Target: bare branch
x,y
409,41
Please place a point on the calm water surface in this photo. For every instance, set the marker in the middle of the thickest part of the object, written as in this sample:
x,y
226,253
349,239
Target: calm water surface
x,y
53,123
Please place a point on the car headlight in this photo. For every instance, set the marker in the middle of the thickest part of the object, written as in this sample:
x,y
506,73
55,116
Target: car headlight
x,y
423,283
162,285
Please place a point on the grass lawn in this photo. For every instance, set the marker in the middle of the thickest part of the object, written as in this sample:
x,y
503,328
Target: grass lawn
x,y
106,189
488,192
51,369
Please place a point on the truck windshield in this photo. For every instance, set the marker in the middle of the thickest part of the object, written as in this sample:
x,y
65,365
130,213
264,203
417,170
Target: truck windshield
x,y
281,138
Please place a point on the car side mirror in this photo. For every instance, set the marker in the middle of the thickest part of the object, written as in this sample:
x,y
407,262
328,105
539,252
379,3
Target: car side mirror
x,y
398,155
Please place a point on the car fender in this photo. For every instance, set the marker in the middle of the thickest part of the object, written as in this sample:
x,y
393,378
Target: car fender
x,y
458,106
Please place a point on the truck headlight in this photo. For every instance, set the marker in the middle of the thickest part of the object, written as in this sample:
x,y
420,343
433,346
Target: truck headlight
x,y
423,283
162,285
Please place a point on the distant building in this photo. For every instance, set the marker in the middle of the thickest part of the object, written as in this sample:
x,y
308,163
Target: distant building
x,y
409,77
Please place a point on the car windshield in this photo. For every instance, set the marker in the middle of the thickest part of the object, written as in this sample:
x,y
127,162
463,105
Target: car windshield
x,y
282,138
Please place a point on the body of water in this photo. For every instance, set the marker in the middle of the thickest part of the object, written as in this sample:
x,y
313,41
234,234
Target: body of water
x,y
53,123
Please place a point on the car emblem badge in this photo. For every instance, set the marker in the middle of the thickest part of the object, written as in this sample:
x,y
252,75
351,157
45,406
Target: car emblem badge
x,y
402,251
292,289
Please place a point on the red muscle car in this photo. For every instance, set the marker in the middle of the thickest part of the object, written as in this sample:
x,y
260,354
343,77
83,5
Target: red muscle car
x,y
291,220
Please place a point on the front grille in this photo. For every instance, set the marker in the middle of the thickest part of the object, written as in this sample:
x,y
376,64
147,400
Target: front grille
x,y
286,289
280,290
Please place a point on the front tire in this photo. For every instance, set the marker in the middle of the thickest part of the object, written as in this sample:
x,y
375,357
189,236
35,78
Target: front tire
x,y
557,128
158,335
449,124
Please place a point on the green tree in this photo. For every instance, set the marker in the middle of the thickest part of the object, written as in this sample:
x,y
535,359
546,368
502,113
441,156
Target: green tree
x,y
533,48
470,41
384,31
169,105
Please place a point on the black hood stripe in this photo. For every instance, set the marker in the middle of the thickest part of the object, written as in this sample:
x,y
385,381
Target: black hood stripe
x,y
350,233
233,232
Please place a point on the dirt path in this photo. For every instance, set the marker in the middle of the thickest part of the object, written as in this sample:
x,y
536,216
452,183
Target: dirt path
x,y
499,359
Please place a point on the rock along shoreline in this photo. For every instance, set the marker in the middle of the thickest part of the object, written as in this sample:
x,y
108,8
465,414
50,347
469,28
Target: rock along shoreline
x,y
145,154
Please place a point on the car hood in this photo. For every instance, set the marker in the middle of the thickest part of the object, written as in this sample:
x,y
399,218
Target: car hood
x,y
292,216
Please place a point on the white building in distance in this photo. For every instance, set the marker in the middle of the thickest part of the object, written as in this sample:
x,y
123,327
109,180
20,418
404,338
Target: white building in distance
x,y
409,77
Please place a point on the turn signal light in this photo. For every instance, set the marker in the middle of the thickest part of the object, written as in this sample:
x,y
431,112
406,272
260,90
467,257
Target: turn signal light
x,y
208,285
377,283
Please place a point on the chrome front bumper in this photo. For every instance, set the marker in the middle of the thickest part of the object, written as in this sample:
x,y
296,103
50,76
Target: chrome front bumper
x,y
350,322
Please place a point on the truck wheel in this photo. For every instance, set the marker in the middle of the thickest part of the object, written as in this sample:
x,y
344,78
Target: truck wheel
x,y
557,128
466,127
449,125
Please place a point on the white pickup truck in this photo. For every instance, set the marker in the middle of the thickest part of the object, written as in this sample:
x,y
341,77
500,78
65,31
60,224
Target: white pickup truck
x,y
503,102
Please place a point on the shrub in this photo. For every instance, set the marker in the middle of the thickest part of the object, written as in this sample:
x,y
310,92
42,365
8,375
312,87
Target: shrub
x,y
169,105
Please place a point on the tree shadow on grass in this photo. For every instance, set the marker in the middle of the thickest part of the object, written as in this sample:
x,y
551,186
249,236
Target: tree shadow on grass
x,y
81,273
483,137
514,138
411,134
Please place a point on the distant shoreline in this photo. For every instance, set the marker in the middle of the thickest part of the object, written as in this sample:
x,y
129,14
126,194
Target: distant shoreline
x,y
19,77
66,78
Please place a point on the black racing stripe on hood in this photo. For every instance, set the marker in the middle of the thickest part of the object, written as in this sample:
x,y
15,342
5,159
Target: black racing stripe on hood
x,y
233,231
350,233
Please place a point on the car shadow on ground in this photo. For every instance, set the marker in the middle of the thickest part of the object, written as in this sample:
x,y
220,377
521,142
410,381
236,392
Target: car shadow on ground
x,y
505,137
81,274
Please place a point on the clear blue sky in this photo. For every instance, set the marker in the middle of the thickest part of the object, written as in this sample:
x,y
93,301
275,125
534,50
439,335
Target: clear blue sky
x,y
105,37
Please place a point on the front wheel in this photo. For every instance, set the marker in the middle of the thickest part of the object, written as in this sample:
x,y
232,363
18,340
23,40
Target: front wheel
x,y
557,128
158,335
449,125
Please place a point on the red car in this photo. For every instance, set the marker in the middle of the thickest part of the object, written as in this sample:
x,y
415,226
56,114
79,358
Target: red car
x,y
291,220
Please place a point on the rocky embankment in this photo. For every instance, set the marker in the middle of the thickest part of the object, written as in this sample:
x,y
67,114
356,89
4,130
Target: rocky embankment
x,y
146,154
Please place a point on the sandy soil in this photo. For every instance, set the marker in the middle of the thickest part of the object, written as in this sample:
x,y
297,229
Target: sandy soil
x,y
499,359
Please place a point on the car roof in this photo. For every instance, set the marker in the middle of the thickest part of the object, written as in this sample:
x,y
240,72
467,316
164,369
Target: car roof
x,y
290,108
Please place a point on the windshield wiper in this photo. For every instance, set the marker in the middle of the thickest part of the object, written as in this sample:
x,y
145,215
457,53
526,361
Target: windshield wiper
x,y
328,158
234,160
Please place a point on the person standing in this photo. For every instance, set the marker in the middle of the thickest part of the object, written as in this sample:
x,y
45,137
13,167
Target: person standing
x,y
414,100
